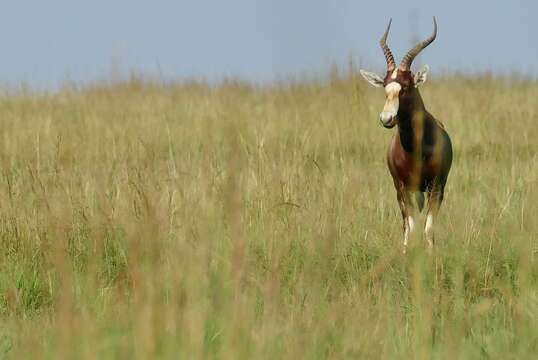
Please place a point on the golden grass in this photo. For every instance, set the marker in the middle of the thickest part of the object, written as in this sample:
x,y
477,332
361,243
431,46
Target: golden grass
x,y
238,222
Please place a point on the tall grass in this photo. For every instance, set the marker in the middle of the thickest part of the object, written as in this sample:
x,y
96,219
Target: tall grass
x,y
237,222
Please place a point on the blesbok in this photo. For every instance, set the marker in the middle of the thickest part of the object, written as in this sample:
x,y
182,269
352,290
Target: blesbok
x,y
420,154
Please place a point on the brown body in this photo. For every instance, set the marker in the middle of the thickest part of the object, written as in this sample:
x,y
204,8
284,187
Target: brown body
x,y
421,169
420,154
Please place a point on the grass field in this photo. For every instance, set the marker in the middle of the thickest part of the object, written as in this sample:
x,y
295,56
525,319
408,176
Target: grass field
x,y
239,222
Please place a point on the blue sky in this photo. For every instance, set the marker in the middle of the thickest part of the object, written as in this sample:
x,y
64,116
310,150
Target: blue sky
x,y
45,42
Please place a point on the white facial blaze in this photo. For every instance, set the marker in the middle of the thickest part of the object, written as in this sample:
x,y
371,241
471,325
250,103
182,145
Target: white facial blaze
x,y
394,74
391,105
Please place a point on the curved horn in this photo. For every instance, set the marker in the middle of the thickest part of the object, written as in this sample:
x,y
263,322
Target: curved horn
x,y
408,58
391,65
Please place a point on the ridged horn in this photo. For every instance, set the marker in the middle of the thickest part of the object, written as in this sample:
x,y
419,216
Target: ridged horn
x,y
391,65
410,56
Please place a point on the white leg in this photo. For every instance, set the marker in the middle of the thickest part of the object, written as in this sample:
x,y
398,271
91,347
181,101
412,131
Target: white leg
x,y
428,229
408,213
409,229
435,197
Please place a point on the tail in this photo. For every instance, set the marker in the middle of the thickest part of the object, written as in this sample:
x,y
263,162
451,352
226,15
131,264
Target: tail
x,y
419,197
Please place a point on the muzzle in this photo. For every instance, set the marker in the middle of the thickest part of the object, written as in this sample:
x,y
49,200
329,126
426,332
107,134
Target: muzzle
x,y
387,119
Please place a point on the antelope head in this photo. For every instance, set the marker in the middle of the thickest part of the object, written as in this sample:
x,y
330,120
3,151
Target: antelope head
x,y
400,83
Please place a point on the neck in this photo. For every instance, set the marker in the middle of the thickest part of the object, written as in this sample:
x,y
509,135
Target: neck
x,y
411,116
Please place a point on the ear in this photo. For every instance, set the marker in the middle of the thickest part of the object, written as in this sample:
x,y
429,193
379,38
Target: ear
x,y
421,76
372,78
